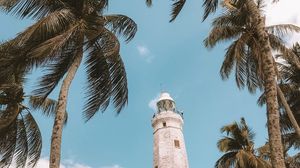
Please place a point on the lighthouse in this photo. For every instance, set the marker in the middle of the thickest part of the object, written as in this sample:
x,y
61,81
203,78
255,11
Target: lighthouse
x,y
169,147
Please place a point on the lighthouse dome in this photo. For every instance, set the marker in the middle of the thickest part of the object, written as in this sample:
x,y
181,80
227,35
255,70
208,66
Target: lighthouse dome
x,y
165,96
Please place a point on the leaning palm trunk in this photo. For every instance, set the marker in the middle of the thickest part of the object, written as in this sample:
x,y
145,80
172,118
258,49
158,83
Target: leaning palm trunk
x,y
60,112
288,111
270,86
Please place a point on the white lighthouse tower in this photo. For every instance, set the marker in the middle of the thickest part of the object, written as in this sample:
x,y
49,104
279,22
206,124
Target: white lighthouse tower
x,y
169,147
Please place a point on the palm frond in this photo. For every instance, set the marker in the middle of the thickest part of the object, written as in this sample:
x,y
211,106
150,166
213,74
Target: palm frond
x,y
227,144
122,25
264,152
56,46
46,28
229,19
261,100
46,105
31,8
119,83
11,64
228,160
176,8
287,54
210,6
282,30
34,140
219,34
106,76
97,6
59,66
19,56
8,138
99,82
235,56
21,149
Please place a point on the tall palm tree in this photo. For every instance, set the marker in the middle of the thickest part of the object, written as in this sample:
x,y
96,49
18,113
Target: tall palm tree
x,y
65,30
251,55
238,146
20,137
288,93
266,68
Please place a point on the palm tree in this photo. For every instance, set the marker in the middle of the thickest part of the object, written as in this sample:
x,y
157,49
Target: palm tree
x,y
267,72
238,146
288,94
65,30
20,137
290,140
252,58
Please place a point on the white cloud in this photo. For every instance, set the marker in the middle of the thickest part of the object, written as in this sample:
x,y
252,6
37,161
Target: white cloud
x,y
145,53
284,11
113,166
44,163
72,164
143,50
152,103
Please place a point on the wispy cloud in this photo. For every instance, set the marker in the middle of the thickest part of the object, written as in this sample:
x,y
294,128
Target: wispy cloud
x,y
152,103
72,164
145,53
284,12
44,163
143,50
113,166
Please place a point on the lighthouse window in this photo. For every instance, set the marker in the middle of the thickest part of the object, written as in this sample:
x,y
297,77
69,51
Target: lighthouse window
x,y
164,124
176,143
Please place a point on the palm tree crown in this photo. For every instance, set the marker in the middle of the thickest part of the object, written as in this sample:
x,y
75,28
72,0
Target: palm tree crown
x,y
238,146
65,27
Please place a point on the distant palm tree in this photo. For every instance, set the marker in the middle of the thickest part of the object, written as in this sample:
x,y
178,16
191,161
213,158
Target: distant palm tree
x,y
250,54
20,137
238,146
65,30
290,140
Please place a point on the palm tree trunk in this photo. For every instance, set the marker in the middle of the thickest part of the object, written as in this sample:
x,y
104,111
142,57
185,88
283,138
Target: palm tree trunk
x,y
288,111
277,158
270,87
60,112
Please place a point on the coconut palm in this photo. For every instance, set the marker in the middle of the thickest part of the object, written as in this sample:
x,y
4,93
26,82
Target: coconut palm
x,y
20,137
65,30
288,93
290,140
250,54
238,146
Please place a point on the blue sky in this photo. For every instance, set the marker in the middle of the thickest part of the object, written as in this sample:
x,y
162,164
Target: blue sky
x,y
162,56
